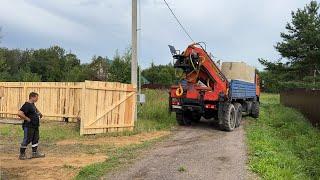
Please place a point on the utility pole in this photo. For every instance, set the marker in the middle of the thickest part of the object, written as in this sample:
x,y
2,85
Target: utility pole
x,y
134,49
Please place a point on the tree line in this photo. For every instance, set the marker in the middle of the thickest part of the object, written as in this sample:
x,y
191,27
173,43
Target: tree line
x,y
55,64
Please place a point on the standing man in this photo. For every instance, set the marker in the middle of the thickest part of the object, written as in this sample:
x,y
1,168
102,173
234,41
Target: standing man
x,y
31,116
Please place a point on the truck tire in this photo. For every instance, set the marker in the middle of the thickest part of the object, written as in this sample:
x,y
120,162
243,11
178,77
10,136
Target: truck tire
x,y
179,118
187,118
238,109
228,117
196,117
255,109
184,118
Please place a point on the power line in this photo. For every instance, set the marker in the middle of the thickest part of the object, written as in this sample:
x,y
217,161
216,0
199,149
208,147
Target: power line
x,y
184,29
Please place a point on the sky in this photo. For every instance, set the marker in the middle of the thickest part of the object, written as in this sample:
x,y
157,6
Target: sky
x,y
234,30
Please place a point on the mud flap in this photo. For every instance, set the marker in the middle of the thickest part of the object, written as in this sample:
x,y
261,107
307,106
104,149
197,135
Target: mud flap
x,y
221,108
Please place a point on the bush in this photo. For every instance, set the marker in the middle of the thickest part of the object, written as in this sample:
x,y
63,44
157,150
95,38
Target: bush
x,y
154,114
278,86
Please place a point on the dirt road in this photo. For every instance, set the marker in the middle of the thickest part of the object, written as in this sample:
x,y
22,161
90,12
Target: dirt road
x,y
197,152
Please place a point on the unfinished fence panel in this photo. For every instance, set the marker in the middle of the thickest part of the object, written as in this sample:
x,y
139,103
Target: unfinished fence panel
x,y
101,106
107,107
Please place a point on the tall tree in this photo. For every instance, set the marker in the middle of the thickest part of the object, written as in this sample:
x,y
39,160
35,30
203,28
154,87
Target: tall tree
x,y
160,74
120,68
99,66
301,42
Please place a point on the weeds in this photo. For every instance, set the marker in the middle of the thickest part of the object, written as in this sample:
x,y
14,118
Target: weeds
x,y
181,169
154,115
66,166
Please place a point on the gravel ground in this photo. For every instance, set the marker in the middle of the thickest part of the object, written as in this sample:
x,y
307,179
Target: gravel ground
x,y
197,152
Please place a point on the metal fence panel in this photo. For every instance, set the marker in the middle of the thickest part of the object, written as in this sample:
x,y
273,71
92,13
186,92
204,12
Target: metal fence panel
x,y
307,101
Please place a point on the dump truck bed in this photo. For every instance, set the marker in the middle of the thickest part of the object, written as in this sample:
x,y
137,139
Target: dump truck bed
x,y
242,89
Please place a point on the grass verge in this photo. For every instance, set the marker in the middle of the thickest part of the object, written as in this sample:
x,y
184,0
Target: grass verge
x,y
49,131
282,143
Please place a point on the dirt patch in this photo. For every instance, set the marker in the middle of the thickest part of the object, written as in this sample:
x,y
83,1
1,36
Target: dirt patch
x,y
64,159
50,167
117,141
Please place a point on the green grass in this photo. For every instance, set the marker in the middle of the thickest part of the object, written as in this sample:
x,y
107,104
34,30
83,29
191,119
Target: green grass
x,y
282,143
49,132
66,166
154,115
181,169
8,130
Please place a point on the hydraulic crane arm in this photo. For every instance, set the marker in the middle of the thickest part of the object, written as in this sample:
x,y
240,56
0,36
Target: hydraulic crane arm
x,y
198,66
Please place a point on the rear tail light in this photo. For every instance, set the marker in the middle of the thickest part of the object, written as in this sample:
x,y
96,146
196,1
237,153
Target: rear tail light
x,y
175,101
209,106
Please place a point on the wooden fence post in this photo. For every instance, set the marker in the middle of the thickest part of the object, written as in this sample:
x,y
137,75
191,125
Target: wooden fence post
x,y
82,108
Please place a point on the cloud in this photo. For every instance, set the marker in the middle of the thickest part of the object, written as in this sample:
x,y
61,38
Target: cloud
x,y
233,30
30,19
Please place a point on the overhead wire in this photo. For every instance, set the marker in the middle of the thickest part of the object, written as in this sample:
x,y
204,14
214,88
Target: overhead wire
x,y
182,27
180,24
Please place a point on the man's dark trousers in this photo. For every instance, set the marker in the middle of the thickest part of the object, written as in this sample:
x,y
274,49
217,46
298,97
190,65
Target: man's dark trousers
x,y
30,135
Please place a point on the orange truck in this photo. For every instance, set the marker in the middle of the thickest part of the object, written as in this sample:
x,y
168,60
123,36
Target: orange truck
x,y
205,91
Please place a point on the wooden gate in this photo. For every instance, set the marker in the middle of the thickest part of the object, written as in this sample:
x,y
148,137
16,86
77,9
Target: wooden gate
x,y
107,107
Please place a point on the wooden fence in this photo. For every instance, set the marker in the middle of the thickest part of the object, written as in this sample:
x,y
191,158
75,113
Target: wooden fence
x,y
101,106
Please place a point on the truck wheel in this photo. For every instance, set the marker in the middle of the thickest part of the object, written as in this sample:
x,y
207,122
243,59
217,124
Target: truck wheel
x,y
238,109
184,118
187,118
179,118
228,116
196,117
255,109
